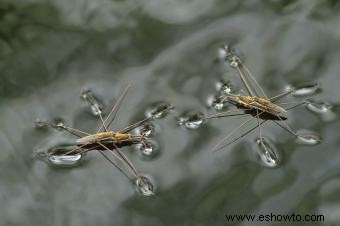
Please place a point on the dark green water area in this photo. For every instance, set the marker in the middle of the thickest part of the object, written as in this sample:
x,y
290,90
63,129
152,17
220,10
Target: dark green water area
x,y
61,59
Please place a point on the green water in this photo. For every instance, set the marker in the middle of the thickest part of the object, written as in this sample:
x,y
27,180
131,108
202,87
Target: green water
x,y
51,51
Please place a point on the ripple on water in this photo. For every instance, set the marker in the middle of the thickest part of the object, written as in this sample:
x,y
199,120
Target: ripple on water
x,y
148,129
308,138
60,156
191,120
65,160
146,185
304,90
217,102
40,124
96,107
323,109
149,149
267,152
159,110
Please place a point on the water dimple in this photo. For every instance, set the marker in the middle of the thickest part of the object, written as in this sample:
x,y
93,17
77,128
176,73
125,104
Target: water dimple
x,y
147,130
225,87
65,160
62,157
308,138
217,102
268,153
191,120
148,149
40,124
229,55
58,124
145,185
96,107
159,110
222,53
41,155
323,109
305,90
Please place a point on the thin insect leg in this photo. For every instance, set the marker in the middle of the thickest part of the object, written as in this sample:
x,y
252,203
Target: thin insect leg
x,y
142,140
88,149
75,149
71,130
295,106
259,125
115,108
244,134
113,163
215,148
290,130
254,79
127,161
119,158
260,131
292,102
240,73
281,95
135,125
223,114
102,120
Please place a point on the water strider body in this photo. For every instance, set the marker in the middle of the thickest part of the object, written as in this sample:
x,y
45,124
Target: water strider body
x,y
119,139
258,104
110,142
255,103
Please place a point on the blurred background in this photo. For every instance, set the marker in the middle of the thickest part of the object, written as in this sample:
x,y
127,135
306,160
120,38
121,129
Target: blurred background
x,y
52,52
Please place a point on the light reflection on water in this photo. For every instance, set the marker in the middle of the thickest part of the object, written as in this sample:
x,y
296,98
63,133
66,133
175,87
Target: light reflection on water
x,y
49,58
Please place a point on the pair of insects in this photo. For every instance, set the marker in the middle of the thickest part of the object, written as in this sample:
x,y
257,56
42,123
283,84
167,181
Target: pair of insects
x,y
255,104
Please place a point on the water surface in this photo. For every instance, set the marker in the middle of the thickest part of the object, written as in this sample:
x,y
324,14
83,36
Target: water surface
x,y
51,52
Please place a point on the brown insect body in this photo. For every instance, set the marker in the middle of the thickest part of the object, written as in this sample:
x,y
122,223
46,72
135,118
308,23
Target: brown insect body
x,y
108,138
255,104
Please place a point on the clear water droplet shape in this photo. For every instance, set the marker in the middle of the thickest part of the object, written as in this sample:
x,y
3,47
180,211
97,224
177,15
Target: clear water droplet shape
x,y
324,110
148,149
191,120
159,110
96,107
308,138
267,152
145,185
306,90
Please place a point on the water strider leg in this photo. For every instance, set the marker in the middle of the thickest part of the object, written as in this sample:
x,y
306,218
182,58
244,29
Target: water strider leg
x,y
240,73
114,109
290,130
281,95
260,131
75,149
293,102
254,79
71,130
244,134
121,157
295,106
225,114
135,125
216,147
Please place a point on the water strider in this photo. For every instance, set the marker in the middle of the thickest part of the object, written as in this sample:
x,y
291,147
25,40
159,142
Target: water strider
x,y
258,105
108,144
